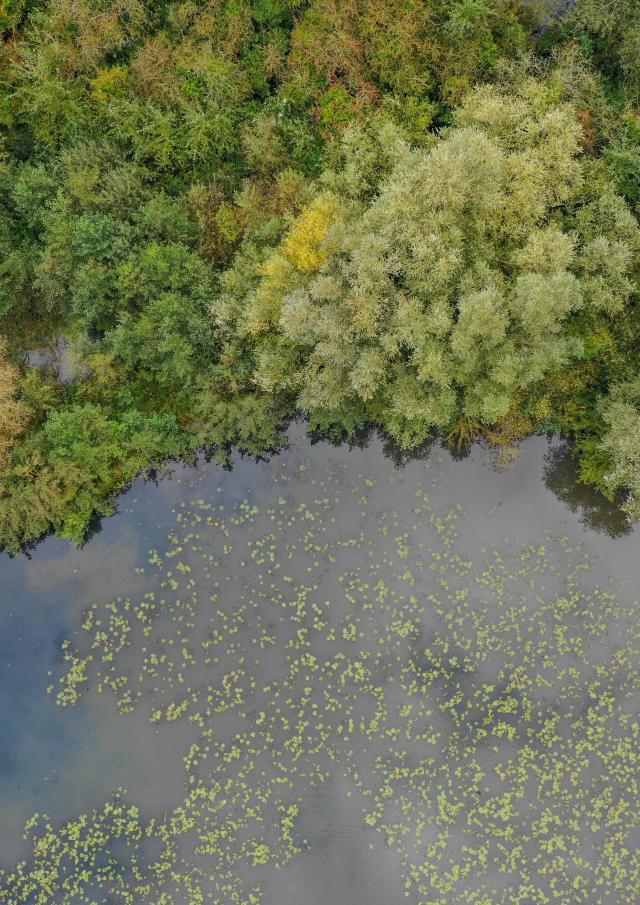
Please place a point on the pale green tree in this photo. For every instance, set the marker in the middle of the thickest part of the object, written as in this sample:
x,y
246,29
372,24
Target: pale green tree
x,y
621,443
441,286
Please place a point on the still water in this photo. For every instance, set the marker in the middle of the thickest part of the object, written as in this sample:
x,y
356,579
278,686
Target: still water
x,y
333,677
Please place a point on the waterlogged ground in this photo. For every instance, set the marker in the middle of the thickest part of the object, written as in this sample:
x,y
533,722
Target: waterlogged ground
x,y
329,678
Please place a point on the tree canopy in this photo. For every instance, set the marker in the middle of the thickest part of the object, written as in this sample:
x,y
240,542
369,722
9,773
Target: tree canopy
x,y
447,295
415,215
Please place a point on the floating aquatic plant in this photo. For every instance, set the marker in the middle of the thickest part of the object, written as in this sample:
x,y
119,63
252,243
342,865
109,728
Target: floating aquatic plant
x,y
479,712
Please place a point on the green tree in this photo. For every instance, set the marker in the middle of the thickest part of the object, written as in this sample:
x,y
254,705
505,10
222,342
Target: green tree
x,y
610,32
620,410
69,469
14,414
450,297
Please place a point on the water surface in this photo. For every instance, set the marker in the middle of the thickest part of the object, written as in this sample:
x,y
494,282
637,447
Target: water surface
x,y
330,677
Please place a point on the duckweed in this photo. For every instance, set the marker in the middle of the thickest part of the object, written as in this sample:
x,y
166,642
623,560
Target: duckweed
x,y
481,714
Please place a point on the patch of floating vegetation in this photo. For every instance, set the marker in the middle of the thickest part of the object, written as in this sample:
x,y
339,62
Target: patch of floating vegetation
x,y
481,713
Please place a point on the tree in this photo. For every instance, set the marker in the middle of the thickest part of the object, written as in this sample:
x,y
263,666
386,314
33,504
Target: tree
x,y
620,410
164,329
611,31
452,295
14,414
69,469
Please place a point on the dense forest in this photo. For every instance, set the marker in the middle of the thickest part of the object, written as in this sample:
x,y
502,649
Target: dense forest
x,y
218,214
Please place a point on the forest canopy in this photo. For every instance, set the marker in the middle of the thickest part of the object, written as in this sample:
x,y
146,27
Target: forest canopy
x,y
215,216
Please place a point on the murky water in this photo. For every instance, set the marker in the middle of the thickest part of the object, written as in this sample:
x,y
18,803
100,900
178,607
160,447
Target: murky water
x,y
328,678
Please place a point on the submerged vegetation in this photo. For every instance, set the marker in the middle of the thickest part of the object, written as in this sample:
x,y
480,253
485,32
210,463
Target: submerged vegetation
x,y
415,215
472,712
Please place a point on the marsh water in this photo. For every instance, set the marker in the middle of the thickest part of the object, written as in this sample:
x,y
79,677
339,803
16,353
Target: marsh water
x,y
337,676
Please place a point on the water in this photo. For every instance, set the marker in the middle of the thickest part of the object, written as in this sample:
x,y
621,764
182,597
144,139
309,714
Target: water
x,y
330,677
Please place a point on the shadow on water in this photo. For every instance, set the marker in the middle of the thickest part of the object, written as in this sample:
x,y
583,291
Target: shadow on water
x,y
359,439
560,474
392,450
594,510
